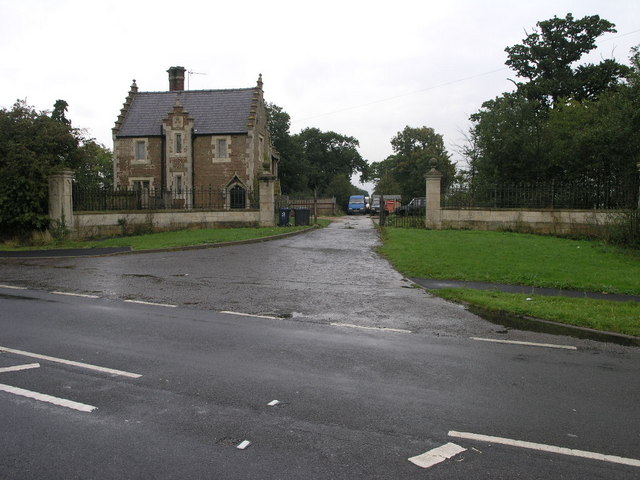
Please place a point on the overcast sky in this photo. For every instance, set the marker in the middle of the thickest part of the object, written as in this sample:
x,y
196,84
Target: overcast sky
x,y
360,68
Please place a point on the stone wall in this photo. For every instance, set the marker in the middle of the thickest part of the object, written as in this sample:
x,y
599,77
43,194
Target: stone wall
x,y
542,221
554,222
88,225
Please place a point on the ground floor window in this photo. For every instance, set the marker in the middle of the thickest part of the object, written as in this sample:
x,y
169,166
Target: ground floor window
x,y
141,185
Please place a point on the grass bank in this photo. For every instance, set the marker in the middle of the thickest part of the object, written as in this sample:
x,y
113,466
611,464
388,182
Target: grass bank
x,y
522,259
171,239
513,258
609,316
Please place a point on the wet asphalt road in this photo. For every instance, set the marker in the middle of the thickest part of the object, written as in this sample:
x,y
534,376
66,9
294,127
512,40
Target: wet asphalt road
x,y
323,276
327,275
356,403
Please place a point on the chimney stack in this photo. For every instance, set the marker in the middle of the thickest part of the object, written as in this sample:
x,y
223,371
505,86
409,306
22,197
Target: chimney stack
x,y
176,78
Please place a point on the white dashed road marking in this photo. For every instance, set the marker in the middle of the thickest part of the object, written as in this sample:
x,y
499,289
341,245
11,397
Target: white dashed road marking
x,y
70,294
82,407
140,302
437,455
250,315
383,329
546,448
243,445
88,366
13,287
528,344
17,368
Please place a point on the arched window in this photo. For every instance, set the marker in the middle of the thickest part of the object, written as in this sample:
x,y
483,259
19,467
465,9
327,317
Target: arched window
x,y
238,197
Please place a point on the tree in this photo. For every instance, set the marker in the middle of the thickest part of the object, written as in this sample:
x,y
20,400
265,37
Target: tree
x,y
60,111
341,188
32,146
546,56
291,168
597,143
567,122
403,172
93,168
329,154
510,140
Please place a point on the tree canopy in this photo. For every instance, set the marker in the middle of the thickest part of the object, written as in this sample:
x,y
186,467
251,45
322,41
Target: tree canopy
x,y
566,121
403,172
32,146
314,161
546,59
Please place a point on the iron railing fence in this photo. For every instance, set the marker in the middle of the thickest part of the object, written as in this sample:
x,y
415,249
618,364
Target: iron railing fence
x,y
546,196
131,199
415,219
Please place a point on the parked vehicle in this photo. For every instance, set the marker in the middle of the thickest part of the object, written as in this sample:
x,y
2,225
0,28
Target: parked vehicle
x,y
375,204
357,204
391,205
391,202
416,206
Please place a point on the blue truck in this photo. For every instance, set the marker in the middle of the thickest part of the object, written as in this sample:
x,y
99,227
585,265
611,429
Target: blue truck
x,y
357,204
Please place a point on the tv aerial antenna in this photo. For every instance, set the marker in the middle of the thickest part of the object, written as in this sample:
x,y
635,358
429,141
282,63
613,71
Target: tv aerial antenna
x,y
189,73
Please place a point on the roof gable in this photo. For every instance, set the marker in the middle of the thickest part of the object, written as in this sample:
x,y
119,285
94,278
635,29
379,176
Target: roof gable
x,y
214,112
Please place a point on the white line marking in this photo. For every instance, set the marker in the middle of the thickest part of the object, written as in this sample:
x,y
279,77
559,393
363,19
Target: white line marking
x,y
62,402
141,302
69,294
243,445
71,362
385,329
529,344
273,403
546,448
19,367
12,287
437,455
250,315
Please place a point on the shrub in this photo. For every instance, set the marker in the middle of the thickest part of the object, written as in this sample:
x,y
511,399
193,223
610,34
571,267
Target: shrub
x,y
625,230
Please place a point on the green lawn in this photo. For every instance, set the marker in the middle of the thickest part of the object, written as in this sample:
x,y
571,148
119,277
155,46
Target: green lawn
x,y
502,257
619,317
533,260
172,239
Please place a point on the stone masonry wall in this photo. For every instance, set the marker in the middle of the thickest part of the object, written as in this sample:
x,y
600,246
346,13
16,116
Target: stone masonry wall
x,y
555,222
130,168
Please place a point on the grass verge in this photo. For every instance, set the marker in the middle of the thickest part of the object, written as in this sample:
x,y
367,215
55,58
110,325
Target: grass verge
x,y
172,239
522,259
618,317
512,258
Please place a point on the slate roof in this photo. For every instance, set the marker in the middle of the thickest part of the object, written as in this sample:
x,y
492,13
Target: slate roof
x,y
215,112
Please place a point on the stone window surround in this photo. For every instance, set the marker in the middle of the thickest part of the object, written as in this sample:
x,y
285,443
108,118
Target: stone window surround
x,y
132,181
235,182
214,148
134,144
179,145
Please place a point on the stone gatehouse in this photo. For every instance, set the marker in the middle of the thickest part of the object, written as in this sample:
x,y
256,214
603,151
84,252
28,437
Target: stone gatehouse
x,y
181,140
